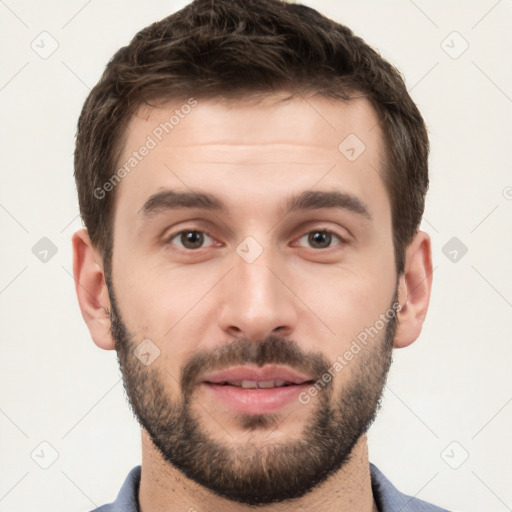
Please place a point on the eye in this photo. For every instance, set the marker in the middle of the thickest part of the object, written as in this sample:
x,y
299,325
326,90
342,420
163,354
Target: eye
x,y
320,238
190,239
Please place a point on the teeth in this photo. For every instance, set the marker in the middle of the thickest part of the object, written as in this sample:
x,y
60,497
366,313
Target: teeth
x,y
253,384
266,384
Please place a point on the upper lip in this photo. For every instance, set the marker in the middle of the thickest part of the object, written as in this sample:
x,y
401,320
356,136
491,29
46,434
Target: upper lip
x,y
241,373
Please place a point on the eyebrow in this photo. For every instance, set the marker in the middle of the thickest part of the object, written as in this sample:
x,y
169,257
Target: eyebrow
x,y
313,200
307,200
172,200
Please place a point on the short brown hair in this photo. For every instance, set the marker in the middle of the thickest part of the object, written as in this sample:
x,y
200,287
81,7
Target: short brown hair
x,y
241,49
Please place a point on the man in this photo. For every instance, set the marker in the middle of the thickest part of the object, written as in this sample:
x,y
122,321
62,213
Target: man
x,y
252,177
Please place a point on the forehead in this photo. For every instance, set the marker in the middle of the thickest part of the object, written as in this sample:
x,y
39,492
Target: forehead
x,y
252,151
311,121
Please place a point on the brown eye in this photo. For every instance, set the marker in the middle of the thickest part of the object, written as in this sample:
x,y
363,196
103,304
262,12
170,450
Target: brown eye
x,y
320,239
190,239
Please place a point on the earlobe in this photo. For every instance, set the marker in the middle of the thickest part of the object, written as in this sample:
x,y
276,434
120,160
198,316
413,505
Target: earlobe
x,y
414,287
91,289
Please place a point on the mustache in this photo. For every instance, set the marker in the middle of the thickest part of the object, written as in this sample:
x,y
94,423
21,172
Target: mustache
x,y
271,350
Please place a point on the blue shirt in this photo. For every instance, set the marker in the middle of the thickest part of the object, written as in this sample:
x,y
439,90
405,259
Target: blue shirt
x,y
387,497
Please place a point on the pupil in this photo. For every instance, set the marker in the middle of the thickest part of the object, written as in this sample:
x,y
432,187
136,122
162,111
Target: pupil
x,y
320,238
192,239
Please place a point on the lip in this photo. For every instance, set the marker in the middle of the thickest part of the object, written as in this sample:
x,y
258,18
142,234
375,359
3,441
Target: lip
x,y
255,400
257,374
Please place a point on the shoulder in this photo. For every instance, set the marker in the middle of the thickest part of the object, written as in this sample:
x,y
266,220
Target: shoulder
x,y
390,499
126,500
387,496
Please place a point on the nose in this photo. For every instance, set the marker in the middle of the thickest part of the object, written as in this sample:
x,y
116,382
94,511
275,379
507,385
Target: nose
x,y
257,300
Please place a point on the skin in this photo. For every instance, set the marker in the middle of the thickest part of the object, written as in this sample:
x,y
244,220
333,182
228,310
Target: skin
x,y
253,157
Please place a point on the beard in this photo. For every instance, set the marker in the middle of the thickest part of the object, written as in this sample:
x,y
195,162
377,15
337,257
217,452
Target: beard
x,y
255,473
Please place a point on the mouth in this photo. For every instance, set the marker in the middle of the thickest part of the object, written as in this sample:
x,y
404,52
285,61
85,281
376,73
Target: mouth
x,y
256,390
254,384
251,377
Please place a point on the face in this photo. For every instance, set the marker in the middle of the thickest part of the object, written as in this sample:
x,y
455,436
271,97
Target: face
x,y
253,288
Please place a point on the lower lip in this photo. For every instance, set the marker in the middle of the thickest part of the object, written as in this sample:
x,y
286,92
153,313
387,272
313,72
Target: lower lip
x,y
255,400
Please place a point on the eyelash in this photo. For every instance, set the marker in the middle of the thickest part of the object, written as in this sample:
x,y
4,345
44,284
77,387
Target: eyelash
x,y
169,239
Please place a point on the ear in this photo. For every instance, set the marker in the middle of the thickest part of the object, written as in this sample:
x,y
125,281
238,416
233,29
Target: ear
x,y
91,289
414,288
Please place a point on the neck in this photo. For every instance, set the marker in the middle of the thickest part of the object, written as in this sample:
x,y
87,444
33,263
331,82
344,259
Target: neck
x,y
165,488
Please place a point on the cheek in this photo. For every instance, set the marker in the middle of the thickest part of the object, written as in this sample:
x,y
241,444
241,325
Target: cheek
x,y
166,303
349,296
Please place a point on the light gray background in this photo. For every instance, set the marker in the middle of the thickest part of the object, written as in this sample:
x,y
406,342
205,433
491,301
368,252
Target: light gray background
x,y
449,394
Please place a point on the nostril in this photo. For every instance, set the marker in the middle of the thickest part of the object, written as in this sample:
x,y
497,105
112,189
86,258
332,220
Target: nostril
x,y
282,330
